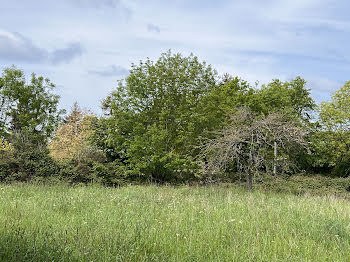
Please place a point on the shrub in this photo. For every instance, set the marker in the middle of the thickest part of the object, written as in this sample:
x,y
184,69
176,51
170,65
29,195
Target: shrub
x,y
26,165
301,184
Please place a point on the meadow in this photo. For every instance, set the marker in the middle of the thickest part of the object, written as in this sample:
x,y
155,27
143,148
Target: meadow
x,y
150,223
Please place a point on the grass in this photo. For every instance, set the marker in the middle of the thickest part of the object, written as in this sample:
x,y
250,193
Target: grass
x,y
149,223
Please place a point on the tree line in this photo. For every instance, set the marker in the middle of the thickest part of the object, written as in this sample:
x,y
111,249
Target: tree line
x,y
172,120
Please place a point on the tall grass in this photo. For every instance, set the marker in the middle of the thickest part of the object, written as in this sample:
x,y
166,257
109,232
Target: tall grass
x,y
148,223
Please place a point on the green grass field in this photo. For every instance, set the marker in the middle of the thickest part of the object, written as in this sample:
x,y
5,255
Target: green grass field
x,y
149,223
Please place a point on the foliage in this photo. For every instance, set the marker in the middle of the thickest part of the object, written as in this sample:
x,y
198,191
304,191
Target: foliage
x,y
306,185
89,165
247,141
28,109
73,134
80,160
290,98
333,143
155,121
26,165
28,116
5,145
155,116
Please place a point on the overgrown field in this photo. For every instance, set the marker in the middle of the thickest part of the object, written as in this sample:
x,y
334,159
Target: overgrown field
x,y
149,223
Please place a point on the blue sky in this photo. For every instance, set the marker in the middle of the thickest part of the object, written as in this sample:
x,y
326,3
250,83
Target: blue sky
x,y
85,46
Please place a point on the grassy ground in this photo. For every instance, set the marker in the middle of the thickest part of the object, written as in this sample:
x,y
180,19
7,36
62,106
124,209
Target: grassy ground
x,y
148,223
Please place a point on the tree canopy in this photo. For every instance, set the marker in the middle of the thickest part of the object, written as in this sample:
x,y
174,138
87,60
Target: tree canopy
x,y
156,119
29,109
157,115
333,140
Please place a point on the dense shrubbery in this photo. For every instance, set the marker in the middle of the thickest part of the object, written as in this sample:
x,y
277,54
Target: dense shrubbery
x,y
155,122
302,184
26,162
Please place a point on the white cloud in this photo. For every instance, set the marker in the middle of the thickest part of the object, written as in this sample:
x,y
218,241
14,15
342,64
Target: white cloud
x,y
65,55
256,40
15,47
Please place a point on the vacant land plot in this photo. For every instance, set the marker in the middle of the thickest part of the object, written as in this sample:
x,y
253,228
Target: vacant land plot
x,y
149,223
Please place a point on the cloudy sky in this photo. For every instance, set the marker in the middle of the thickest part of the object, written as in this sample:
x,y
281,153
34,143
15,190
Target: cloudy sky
x,y
85,46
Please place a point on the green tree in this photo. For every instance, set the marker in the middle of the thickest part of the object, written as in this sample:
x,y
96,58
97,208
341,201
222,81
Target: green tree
x,y
27,109
154,117
290,98
28,117
333,143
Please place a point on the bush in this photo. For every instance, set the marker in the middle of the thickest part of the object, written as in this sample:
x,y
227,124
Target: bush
x,y
163,168
342,169
24,166
301,184
112,174
90,171
8,165
89,165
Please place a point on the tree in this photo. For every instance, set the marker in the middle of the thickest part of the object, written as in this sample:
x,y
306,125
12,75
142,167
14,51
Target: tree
x,y
29,115
155,116
73,134
334,136
247,140
27,110
80,160
291,98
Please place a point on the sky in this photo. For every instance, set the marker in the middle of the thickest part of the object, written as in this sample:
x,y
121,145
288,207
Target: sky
x,y
86,46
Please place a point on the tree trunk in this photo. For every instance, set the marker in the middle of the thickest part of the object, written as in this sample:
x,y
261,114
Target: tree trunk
x,y
249,181
275,158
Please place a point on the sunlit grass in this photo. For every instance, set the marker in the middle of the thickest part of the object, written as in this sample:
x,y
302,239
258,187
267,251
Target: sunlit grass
x,y
148,223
